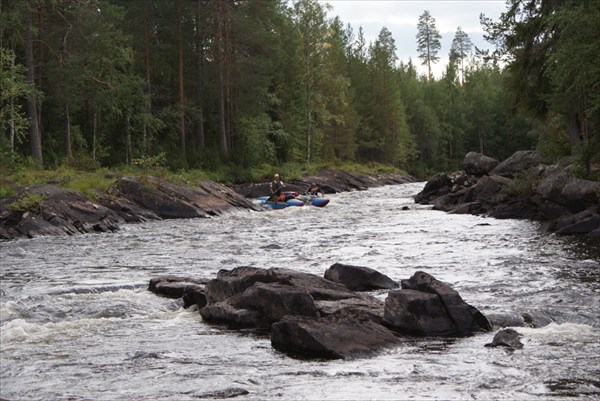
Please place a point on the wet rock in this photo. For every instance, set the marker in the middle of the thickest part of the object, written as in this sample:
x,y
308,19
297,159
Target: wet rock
x,y
260,305
507,338
231,392
427,306
359,278
478,164
500,320
437,186
330,337
194,295
537,319
177,286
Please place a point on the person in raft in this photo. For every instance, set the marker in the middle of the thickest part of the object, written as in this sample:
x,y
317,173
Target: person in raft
x,y
276,187
313,190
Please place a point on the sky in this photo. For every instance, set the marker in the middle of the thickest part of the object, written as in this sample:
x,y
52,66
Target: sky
x,y
400,17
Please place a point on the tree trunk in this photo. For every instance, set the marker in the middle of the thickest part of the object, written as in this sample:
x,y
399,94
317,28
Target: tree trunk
x,y
148,83
67,122
200,91
220,53
35,140
181,87
94,126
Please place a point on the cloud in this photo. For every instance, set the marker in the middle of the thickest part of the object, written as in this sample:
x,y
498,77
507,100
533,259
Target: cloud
x,y
401,17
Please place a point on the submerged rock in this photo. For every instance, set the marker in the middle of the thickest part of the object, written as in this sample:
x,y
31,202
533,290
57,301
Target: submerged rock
x,y
507,338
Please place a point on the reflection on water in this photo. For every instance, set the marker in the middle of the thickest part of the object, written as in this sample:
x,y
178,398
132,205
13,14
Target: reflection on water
x,y
78,323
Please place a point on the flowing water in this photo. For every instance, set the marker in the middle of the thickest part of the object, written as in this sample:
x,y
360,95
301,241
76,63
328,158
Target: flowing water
x,y
78,323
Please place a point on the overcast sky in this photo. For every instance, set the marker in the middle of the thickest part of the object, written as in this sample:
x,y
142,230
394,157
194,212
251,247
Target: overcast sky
x,y
400,17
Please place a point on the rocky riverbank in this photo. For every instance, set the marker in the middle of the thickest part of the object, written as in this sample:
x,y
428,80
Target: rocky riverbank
x,y
51,210
520,187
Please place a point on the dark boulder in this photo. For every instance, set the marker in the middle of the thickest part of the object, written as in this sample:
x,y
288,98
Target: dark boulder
x,y
438,185
478,164
509,338
426,306
359,278
520,161
336,336
260,305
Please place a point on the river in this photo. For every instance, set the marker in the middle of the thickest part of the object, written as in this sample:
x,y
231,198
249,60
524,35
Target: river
x,y
77,321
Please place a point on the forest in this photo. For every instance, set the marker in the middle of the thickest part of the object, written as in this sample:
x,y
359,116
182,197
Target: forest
x,y
250,86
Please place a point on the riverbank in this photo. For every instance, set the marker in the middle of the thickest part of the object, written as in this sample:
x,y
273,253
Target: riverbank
x,y
49,209
520,187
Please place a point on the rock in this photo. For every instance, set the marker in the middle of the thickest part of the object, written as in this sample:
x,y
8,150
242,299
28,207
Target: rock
x,y
580,223
176,286
330,337
194,295
579,195
223,394
417,313
437,185
500,320
478,164
507,338
551,186
569,205
520,161
260,305
255,297
426,306
358,278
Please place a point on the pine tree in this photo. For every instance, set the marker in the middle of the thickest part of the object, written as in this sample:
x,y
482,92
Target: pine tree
x,y
428,41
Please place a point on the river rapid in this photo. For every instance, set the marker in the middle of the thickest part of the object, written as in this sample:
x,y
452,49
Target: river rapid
x,y
77,321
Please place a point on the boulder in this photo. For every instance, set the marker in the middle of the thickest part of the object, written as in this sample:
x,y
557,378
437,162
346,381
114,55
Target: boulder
x,y
509,338
478,164
579,194
260,305
580,223
520,161
359,278
417,313
336,336
437,185
426,306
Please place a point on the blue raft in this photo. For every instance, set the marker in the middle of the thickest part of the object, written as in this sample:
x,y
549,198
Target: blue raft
x,y
288,199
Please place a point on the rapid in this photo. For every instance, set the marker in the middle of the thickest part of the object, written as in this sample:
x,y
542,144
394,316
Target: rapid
x,y
77,321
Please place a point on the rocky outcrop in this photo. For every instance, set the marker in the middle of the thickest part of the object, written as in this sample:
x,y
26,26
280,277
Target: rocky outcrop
x,y
312,316
53,211
60,211
519,187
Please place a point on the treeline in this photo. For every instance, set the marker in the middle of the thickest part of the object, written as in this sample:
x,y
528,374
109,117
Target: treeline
x,y
249,83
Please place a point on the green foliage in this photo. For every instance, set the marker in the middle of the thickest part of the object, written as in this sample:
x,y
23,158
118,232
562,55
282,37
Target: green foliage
x,y
522,186
27,202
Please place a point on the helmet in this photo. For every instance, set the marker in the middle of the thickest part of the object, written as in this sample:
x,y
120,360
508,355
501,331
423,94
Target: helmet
x,y
276,176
